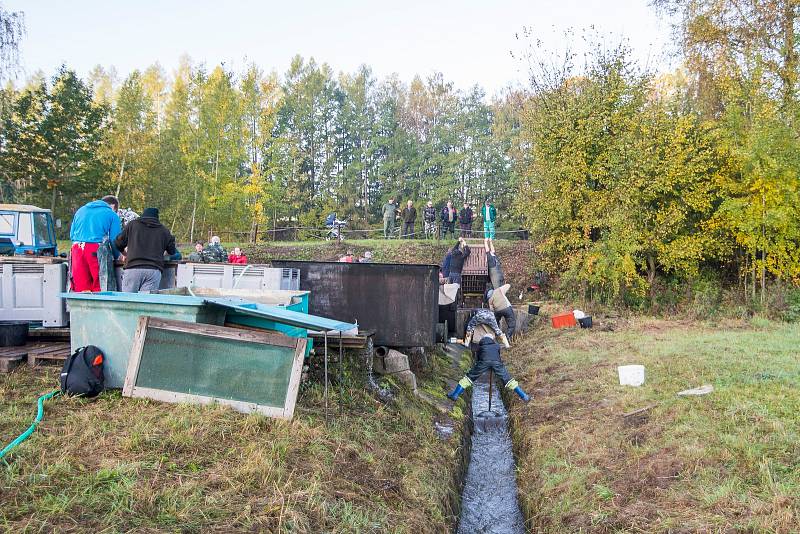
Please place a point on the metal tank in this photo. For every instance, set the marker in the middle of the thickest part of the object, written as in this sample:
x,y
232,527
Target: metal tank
x,y
398,301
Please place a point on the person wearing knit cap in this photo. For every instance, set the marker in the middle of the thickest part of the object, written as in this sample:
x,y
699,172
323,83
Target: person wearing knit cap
x,y
145,241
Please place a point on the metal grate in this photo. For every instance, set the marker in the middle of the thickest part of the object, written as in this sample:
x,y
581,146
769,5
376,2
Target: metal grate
x,y
473,283
17,268
209,269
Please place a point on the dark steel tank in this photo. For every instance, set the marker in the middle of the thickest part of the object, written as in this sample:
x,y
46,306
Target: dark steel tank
x,y
398,301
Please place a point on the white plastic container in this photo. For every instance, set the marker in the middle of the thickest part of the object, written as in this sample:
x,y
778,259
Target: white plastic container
x,y
631,375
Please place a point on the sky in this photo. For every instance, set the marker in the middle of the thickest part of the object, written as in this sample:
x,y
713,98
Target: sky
x,y
471,42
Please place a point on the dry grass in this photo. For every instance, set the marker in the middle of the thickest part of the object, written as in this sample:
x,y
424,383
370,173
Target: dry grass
x,y
116,465
726,462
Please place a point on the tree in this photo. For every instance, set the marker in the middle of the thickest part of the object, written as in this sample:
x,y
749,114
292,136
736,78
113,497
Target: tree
x,y
51,139
12,30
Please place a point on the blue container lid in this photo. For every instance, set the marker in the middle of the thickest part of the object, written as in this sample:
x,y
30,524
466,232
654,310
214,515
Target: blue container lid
x,y
141,298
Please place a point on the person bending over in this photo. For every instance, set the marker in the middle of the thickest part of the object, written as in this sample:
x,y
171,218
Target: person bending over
x,y
501,306
487,358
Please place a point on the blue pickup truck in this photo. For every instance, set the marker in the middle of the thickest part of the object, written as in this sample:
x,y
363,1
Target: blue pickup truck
x,y
28,230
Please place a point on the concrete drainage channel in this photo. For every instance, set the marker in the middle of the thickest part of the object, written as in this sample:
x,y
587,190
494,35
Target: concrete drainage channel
x,y
489,501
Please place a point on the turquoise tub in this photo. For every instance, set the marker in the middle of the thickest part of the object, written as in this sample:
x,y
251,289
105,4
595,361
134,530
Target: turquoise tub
x,y
108,320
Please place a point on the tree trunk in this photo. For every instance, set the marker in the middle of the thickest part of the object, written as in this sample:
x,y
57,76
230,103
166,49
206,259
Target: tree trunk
x,y
651,277
194,213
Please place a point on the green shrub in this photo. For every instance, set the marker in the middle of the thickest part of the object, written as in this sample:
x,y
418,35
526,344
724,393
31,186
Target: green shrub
x,y
792,311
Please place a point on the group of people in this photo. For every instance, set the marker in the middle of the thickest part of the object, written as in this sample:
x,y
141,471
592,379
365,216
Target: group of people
x,y
483,330
214,252
99,237
352,258
448,216
102,233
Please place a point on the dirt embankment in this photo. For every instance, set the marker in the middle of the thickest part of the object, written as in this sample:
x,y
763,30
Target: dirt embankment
x,y
517,257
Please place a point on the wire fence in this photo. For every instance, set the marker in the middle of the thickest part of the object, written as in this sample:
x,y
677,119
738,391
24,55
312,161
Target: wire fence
x,y
296,233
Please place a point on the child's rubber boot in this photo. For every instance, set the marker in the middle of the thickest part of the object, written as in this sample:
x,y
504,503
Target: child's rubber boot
x,y
453,396
522,395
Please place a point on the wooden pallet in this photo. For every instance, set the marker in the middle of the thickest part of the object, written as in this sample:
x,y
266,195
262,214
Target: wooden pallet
x,y
12,357
48,353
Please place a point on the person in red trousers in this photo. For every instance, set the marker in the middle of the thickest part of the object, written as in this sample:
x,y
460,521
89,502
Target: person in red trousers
x,y
237,256
92,224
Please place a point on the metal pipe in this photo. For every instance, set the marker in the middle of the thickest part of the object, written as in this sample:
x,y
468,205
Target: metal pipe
x,y
326,376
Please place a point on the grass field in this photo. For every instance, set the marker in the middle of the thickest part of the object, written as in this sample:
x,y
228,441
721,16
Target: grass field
x,y
116,465
725,462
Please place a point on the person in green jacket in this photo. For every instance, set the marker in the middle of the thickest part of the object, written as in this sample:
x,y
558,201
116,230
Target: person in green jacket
x,y
389,214
489,215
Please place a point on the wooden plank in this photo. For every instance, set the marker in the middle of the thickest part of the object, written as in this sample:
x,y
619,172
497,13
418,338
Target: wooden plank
x,y
13,351
136,355
47,334
221,332
294,379
9,363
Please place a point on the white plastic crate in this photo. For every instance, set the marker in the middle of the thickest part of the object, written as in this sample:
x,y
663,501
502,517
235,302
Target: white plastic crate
x,y
229,276
31,291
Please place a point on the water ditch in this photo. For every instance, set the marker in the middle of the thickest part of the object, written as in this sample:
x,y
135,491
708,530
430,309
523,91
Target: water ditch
x,y
489,502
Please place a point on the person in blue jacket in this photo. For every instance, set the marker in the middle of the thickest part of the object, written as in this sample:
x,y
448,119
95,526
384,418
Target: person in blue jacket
x,y
95,225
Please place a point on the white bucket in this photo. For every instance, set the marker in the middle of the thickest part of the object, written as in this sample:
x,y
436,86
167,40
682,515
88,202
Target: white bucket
x,y
631,375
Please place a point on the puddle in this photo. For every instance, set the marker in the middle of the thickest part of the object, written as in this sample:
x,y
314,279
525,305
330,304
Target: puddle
x,y
489,500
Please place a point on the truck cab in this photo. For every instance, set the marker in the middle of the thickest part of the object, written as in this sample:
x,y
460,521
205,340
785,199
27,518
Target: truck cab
x,y
29,229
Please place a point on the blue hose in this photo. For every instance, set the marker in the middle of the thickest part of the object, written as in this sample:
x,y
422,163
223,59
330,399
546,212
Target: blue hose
x,y
25,435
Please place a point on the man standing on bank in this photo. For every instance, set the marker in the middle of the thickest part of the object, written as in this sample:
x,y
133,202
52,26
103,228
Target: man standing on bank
x,y
465,219
429,217
409,216
92,224
389,213
449,220
146,240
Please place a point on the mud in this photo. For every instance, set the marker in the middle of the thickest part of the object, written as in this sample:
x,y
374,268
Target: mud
x,y
489,500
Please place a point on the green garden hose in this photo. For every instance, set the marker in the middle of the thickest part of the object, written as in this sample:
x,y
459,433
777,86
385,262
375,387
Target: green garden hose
x,y
25,435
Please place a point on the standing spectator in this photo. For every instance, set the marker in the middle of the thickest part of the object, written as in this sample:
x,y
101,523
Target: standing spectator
x,y
146,240
466,217
199,255
237,256
489,215
449,220
389,214
501,306
409,216
429,217
458,256
215,252
93,223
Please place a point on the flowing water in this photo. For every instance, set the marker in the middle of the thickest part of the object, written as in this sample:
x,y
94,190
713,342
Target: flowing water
x,y
489,501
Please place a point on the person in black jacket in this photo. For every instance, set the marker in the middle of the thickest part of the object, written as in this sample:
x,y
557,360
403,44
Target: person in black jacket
x,y
408,216
146,240
466,217
487,357
458,256
449,220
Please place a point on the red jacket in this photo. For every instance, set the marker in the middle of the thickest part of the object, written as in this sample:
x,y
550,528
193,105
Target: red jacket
x,y
232,258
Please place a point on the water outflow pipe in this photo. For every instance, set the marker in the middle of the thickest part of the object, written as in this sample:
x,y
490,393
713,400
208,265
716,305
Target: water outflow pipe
x,y
381,351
